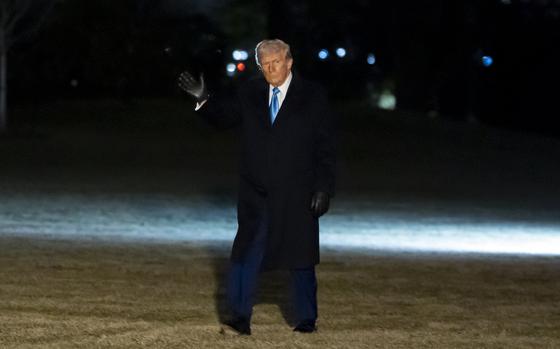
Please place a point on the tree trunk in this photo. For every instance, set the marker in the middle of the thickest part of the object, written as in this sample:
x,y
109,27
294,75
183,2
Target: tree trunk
x,y
3,82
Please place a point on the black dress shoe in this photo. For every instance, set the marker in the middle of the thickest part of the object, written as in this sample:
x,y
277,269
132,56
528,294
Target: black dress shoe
x,y
240,326
306,327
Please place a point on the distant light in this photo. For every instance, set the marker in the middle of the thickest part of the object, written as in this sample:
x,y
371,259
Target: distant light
x,y
341,52
387,100
74,83
230,68
506,2
167,50
240,55
371,59
487,61
323,54
241,66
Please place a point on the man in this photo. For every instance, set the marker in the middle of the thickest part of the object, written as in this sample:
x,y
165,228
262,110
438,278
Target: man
x,y
287,173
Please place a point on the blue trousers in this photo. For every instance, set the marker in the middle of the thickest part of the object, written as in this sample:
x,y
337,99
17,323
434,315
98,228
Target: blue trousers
x,y
243,280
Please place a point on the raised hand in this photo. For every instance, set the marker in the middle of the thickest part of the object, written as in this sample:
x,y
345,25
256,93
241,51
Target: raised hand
x,y
319,204
196,88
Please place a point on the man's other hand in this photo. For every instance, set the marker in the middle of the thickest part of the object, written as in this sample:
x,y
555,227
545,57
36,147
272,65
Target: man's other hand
x,y
319,204
196,88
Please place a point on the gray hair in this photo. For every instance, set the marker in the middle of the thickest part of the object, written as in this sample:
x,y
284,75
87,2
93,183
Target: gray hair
x,y
275,45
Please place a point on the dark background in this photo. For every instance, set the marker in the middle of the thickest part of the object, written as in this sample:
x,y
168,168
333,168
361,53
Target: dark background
x,y
94,105
428,53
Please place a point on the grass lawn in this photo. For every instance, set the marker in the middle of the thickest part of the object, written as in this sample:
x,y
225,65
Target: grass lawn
x,y
68,293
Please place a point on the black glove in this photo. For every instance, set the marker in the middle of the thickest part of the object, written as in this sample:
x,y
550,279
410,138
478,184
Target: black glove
x,y
195,88
319,204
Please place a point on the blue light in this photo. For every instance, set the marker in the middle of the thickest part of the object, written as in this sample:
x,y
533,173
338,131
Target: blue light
x,y
230,69
371,59
340,52
240,55
323,54
487,61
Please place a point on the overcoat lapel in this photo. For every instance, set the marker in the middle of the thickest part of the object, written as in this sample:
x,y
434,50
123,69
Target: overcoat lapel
x,y
291,101
288,107
261,103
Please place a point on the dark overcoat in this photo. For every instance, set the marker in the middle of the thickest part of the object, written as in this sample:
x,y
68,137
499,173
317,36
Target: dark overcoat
x,y
281,166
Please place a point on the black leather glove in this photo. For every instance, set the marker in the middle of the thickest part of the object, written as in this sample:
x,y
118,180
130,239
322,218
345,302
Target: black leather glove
x,y
319,204
195,88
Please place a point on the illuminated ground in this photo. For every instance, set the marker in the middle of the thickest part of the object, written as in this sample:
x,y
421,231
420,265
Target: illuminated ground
x,y
393,226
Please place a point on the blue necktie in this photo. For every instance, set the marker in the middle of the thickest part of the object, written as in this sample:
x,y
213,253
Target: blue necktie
x,y
274,104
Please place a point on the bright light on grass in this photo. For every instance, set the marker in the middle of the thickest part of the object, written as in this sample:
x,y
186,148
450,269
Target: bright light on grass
x,y
347,226
495,237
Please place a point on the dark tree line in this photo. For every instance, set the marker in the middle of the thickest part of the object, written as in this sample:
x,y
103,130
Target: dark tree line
x,y
19,19
108,48
428,51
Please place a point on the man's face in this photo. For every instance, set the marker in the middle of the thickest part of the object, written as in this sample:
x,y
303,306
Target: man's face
x,y
275,67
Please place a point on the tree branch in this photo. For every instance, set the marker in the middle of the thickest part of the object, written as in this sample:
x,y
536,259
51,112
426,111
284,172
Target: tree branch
x,y
15,10
12,12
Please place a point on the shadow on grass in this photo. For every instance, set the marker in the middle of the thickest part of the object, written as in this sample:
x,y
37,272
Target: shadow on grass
x,y
273,288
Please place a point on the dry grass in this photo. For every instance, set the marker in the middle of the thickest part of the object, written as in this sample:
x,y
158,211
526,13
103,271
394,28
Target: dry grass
x,y
67,294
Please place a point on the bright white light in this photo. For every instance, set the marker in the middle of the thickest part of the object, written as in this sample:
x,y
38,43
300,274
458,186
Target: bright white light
x,y
487,61
240,55
494,237
341,52
371,59
387,100
349,225
323,54
231,68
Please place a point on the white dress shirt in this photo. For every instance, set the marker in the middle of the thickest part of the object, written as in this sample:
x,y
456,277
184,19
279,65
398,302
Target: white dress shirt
x,y
283,90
